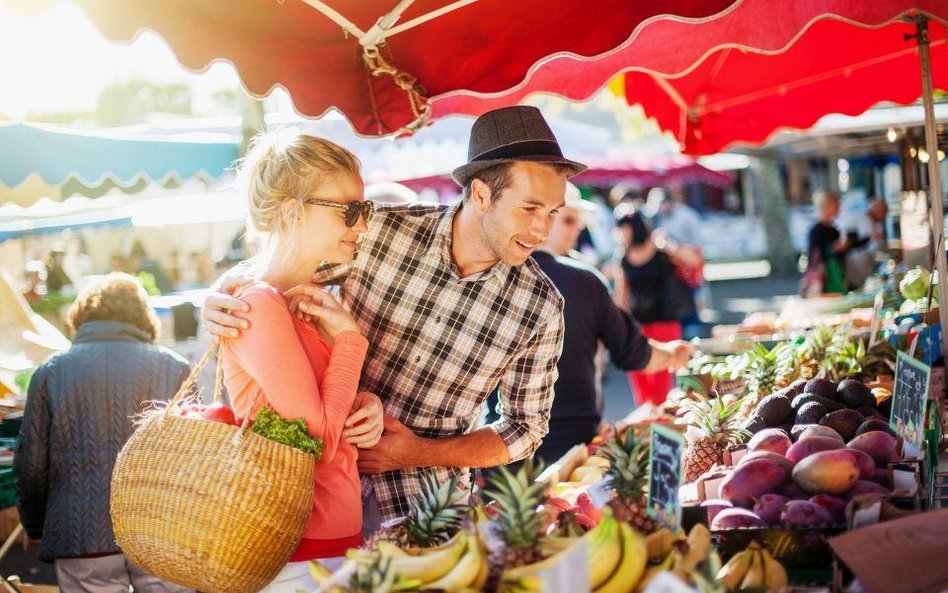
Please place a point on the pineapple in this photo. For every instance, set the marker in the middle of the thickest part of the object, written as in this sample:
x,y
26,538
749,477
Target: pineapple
x,y
629,469
761,376
714,429
814,351
517,527
434,517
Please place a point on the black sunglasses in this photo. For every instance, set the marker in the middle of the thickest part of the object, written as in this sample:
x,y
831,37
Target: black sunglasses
x,y
353,209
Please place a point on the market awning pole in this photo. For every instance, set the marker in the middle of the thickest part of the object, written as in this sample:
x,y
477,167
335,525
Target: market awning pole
x,y
934,180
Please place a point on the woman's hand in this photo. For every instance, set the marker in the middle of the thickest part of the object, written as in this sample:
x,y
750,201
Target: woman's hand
x,y
364,424
314,304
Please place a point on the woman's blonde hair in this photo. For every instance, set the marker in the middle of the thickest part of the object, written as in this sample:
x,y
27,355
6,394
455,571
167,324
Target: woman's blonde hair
x,y
114,297
285,166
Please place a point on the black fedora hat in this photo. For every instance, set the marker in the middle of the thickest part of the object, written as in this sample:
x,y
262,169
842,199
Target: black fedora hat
x,y
508,135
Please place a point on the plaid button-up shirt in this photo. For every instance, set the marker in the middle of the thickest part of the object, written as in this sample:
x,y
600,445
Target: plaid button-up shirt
x,y
439,344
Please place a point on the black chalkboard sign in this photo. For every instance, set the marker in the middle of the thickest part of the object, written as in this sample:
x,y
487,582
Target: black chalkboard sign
x,y
665,475
908,402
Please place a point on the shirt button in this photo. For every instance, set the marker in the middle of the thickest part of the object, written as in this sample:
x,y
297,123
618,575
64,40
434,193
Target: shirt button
x,y
438,319
417,359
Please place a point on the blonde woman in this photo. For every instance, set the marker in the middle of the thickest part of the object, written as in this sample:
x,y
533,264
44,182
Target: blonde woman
x,y
306,202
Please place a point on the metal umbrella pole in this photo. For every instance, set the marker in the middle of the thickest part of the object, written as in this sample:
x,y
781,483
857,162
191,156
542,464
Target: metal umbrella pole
x,y
934,180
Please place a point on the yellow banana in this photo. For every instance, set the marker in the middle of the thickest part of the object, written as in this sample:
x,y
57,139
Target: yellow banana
x,y
318,571
430,567
464,571
339,580
391,550
415,551
359,554
775,575
755,572
631,567
732,573
604,552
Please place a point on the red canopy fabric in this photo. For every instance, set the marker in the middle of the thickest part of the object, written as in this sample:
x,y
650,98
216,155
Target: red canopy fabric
x,y
836,67
671,46
646,172
483,46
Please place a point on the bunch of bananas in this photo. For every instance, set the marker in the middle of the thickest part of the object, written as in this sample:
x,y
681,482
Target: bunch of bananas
x,y
459,565
616,557
753,568
691,559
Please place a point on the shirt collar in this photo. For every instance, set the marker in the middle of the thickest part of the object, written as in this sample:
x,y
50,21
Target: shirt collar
x,y
444,234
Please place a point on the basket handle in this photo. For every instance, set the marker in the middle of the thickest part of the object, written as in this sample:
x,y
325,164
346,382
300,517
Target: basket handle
x,y
218,385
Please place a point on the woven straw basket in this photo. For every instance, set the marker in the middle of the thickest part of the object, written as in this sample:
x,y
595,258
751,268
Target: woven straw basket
x,y
208,505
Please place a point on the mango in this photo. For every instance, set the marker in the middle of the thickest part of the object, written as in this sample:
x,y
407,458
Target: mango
x,y
736,518
878,444
827,472
867,487
867,465
768,507
770,439
810,445
834,504
779,459
803,513
749,481
805,431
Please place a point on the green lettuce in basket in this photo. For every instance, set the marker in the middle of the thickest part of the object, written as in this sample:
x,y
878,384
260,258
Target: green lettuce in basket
x,y
271,425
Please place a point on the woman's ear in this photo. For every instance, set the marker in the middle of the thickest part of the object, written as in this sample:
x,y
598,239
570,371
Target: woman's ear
x,y
291,210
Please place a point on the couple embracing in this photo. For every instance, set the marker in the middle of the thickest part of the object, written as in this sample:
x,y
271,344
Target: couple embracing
x,y
439,305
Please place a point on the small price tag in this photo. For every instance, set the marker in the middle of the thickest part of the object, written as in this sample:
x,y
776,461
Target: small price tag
x,y
876,319
665,476
600,492
908,402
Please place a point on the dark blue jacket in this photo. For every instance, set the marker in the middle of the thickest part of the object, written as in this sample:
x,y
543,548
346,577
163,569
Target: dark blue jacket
x,y
591,317
77,418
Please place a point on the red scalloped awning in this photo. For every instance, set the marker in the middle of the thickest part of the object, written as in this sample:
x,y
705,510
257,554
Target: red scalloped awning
x,y
737,97
483,46
671,46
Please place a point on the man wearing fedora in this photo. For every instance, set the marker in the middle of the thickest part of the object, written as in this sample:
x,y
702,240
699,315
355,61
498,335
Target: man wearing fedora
x,y
454,307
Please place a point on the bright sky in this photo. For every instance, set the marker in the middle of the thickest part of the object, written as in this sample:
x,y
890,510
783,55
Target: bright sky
x,y
58,61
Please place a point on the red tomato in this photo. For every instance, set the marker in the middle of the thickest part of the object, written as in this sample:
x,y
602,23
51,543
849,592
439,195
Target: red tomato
x,y
219,412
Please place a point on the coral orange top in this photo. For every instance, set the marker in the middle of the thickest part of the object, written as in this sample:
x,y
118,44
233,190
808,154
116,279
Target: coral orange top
x,y
301,376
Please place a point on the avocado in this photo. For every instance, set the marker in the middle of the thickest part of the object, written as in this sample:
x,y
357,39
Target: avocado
x,y
855,394
774,409
885,407
805,398
754,424
869,412
844,421
810,413
823,387
871,424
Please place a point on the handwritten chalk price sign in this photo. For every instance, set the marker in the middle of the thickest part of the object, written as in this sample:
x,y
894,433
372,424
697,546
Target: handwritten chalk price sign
x,y
665,475
908,402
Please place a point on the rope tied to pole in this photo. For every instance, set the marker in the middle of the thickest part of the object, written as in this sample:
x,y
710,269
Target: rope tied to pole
x,y
420,107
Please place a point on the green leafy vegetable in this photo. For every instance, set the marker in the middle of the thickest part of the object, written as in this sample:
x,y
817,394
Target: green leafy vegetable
x,y
271,425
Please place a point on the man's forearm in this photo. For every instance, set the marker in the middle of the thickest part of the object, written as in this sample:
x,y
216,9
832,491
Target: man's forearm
x,y
659,361
481,448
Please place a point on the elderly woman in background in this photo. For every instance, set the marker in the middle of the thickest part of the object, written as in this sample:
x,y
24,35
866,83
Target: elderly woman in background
x,y
77,418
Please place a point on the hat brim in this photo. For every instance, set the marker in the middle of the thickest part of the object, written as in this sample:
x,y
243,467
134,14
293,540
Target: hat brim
x,y
464,173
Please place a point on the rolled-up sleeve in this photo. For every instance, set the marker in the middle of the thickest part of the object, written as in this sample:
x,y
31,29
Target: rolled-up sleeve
x,y
526,390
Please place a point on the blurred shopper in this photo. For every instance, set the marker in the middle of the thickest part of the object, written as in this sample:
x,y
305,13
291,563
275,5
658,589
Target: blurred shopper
x,y
867,238
78,416
648,286
57,280
591,317
826,249
679,221
139,261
